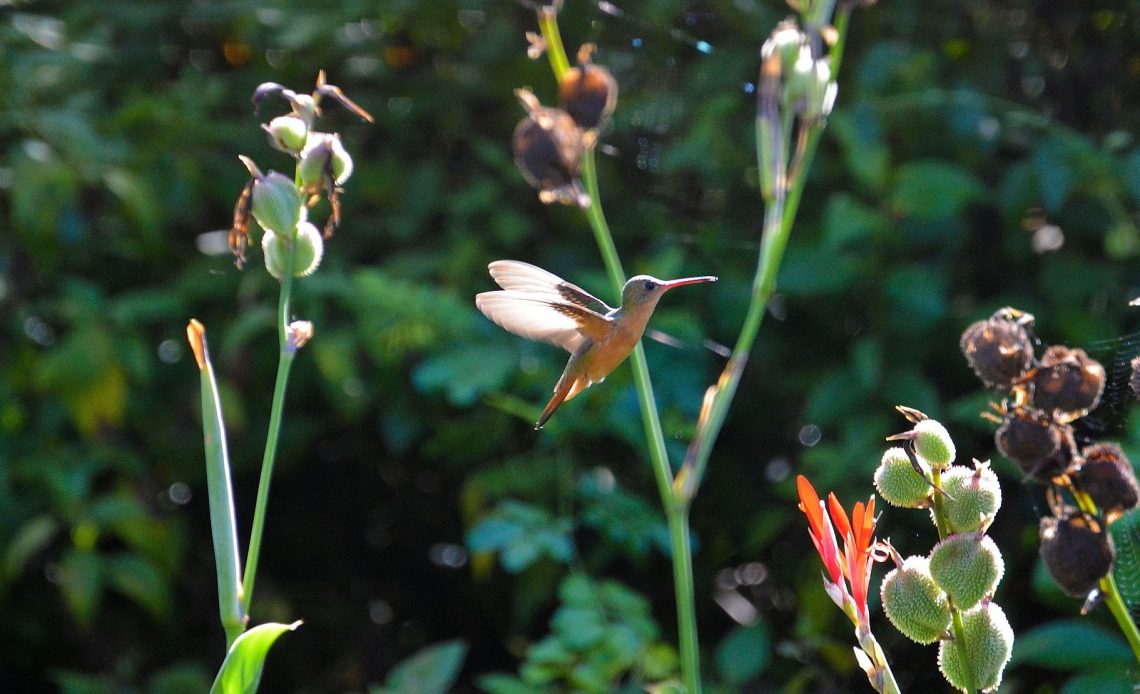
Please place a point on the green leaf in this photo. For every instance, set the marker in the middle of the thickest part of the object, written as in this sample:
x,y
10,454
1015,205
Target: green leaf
x,y
502,683
241,670
1070,645
432,670
1101,680
931,190
744,653
138,579
81,580
522,534
33,536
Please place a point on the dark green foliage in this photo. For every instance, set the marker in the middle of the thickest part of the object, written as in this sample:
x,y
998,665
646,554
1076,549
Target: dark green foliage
x,y
961,133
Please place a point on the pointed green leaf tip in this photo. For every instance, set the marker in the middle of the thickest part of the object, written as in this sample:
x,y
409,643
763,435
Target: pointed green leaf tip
x,y
989,643
967,566
241,671
933,444
914,603
897,481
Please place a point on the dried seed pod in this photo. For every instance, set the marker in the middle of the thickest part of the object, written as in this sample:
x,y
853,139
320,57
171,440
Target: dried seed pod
x,y
1039,446
1077,551
548,151
1106,475
1134,377
588,92
1068,384
998,348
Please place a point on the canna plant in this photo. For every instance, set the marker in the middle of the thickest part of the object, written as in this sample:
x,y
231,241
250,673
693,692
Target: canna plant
x,y
292,247
555,148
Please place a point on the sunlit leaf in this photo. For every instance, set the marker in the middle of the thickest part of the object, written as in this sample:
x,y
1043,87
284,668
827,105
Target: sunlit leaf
x,y
430,671
241,670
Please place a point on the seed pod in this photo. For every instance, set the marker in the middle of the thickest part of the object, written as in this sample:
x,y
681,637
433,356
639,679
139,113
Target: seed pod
x,y
972,497
324,162
310,249
913,601
1068,384
933,444
1077,551
899,483
989,644
999,349
548,151
276,203
967,566
588,92
1134,377
1039,446
1106,475
287,133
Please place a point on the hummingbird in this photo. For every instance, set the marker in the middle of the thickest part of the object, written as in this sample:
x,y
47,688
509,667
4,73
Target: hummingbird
x,y
539,305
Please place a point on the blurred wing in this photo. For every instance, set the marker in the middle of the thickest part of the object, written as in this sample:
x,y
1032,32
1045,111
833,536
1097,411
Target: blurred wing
x,y
553,321
515,275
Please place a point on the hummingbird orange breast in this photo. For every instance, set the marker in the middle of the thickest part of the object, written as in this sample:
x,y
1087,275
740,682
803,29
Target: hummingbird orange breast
x,y
614,348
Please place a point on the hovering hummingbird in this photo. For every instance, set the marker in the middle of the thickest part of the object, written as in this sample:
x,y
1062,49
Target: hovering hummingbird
x,y
538,305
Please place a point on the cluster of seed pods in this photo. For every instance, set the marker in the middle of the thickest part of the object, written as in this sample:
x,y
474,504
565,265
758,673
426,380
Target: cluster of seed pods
x,y
1041,399
550,142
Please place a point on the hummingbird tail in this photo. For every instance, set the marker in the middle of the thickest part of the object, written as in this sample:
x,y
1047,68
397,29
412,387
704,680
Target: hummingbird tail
x,y
567,387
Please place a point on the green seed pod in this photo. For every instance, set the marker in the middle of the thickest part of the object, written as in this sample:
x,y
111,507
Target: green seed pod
x,y
967,566
989,643
898,482
324,157
914,603
287,133
310,248
933,444
276,203
971,499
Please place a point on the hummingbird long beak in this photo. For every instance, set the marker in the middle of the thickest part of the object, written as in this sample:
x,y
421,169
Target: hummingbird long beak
x,y
687,280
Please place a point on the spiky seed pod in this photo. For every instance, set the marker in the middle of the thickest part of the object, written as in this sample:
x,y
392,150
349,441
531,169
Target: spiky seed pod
x,y
989,644
310,249
1034,442
933,444
898,482
276,203
1106,475
1077,551
1068,383
913,601
287,133
548,151
972,497
998,349
967,566
588,92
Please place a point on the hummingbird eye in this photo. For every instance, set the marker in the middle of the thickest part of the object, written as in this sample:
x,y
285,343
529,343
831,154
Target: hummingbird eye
x,y
650,285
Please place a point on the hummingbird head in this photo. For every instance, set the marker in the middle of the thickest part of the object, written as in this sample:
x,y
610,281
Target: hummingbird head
x,y
644,290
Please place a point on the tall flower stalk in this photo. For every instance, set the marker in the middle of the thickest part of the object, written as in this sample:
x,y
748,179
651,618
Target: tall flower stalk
x,y
796,93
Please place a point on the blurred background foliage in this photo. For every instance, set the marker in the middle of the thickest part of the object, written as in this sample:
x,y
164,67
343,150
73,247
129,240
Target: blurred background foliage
x,y
981,154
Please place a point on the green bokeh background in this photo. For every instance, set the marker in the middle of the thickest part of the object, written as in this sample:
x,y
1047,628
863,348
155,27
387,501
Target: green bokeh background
x,y
966,136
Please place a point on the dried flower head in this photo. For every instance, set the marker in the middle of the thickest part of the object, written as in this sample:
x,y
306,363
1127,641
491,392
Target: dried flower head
x,y
999,349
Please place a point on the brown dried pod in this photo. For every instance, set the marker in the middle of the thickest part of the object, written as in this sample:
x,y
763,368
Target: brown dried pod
x,y
588,92
1077,551
1134,377
1068,383
1039,446
548,151
1106,475
999,349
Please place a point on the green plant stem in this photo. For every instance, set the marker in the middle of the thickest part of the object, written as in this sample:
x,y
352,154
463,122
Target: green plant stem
x,y
676,508
779,216
278,407
1108,589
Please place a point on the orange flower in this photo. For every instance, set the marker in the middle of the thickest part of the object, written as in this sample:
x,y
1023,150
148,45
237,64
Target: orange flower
x,y
821,531
858,538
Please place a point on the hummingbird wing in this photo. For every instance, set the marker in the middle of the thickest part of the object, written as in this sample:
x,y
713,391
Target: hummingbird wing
x,y
515,275
543,317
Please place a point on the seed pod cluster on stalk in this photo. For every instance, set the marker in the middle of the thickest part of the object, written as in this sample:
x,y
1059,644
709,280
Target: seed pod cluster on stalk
x,y
1042,398
550,142
946,596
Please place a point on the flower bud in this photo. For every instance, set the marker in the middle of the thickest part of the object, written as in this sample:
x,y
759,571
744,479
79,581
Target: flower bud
x,y
933,444
989,644
967,566
1068,384
588,92
276,203
310,248
913,601
1077,552
899,483
972,497
1107,477
999,349
287,133
324,160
